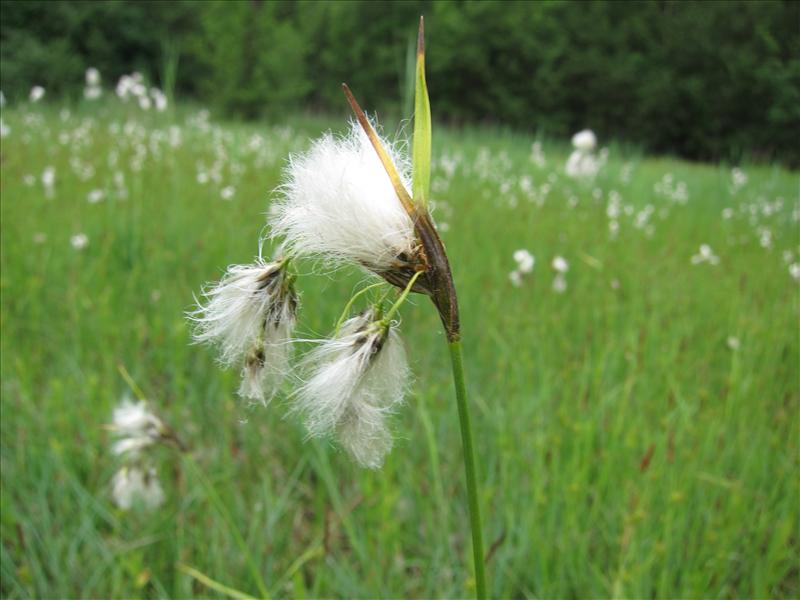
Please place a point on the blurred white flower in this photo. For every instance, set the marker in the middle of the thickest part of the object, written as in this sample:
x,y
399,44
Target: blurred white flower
x,y
733,342
250,314
339,204
765,238
559,283
794,271
581,165
92,77
123,89
96,196
727,213
159,99
516,278
37,93
525,260
560,264
92,91
2,99
5,130
49,181
537,155
29,180
49,177
738,178
133,484
354,381
227,192
705,254
79,241
144,103
585,140
135,427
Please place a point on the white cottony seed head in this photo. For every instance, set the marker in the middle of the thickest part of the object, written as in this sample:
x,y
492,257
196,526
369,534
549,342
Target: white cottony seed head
x,y
135,427
250,315
132,484
234,314
354,381
267,362
560,264
525,260
338,203
585,140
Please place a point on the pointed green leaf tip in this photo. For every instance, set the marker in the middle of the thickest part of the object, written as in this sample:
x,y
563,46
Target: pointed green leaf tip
x,y
421,144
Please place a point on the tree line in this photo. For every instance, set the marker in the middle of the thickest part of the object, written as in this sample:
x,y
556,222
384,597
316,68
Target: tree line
x,y
703,80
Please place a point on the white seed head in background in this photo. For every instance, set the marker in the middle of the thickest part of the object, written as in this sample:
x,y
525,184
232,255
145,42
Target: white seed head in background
x,y
135,427
585,140
92,77
131,485
353,382
37,93
705,255
560,264
794,271
79,241
250,314
559,283
338,204
525,260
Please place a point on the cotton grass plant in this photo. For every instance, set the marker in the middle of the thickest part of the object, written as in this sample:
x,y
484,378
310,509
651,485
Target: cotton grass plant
x,y
352,200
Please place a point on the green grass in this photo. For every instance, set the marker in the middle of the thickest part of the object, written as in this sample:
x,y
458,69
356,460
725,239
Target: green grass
x,y
624,449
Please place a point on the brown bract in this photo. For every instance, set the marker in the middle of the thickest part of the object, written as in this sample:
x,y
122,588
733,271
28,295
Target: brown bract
x,y
429,257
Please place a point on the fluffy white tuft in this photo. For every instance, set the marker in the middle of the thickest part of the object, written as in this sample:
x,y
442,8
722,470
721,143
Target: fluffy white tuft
x,y
582,164
250,315
135,427
132,484
585,140
267,363
355,380
338,203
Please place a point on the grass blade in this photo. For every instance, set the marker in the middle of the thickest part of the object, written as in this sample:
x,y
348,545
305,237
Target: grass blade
x,y
214,585
421,144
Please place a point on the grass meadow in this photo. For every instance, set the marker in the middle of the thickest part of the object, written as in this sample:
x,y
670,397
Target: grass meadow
x,y
637,432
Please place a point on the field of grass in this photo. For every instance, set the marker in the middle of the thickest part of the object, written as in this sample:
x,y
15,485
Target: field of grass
x,y
637,433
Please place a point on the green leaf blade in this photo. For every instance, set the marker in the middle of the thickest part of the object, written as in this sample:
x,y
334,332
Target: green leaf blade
x,y
421,143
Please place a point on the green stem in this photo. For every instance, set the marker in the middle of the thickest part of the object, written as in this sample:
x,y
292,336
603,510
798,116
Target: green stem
x,y
391,312
356,296
469,467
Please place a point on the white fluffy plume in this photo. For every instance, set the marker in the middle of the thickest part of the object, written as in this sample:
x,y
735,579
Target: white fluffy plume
x,y
338,203
250,315
354,381
135,427
585,140
133,484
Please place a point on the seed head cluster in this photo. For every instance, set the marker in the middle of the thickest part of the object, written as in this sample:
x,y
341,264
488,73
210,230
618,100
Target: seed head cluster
x,y
136,430
337,205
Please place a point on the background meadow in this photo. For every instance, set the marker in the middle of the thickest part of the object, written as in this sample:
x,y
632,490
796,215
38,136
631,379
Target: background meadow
x,y
637,428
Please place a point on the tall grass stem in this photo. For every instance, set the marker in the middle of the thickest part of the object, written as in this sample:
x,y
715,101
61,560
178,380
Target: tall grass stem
x,y
469,467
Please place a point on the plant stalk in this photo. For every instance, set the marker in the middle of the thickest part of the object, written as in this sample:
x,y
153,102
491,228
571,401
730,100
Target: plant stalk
x,y
469,467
